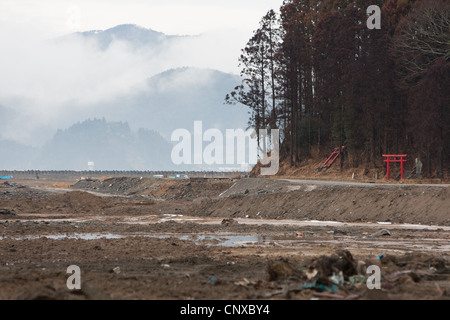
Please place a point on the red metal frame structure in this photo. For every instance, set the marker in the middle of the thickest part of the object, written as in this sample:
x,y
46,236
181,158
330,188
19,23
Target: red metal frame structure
x,y
331,159
394,158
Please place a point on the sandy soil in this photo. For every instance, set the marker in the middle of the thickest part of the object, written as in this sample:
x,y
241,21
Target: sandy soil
x,y
249,238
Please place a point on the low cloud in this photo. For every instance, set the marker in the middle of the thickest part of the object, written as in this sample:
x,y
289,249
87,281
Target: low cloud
x,y
44,83
40,81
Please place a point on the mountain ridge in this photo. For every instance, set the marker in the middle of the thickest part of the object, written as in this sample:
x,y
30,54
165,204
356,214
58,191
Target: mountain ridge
x,y
138,37
162,102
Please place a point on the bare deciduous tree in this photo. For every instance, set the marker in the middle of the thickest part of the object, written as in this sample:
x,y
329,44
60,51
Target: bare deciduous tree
x,y
421,39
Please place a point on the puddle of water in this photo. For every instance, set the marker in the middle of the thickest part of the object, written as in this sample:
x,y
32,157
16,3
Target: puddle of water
x,y
78,236
227,240
215,240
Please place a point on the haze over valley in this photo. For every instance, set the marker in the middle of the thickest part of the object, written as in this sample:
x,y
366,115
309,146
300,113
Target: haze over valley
x,y
110,96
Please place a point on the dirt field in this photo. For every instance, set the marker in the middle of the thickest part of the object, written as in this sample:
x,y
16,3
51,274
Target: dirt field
x,y
232,239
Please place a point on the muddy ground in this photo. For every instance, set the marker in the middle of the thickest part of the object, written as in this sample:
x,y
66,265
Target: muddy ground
x,y
232,239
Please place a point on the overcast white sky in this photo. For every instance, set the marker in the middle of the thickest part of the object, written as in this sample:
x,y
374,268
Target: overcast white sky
x,y
56,17
225,26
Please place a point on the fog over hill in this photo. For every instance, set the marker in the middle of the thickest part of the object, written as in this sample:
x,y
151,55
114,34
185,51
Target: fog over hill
x,y
108,145
135,36
175,99
135,80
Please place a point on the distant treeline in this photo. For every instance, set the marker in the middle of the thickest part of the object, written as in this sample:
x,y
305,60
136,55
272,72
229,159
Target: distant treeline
x,y
318,73
55,174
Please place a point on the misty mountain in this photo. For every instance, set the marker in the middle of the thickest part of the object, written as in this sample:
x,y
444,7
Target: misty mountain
x,y
171,100
74,81
175,99
110,145
135,36
14,155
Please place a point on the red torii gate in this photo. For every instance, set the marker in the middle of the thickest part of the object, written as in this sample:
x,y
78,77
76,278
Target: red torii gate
x,y
394,158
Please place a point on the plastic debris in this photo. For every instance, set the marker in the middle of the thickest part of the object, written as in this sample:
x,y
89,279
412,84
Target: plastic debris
x,y
320,286
310,274
212,280
340,261
356,279
338,278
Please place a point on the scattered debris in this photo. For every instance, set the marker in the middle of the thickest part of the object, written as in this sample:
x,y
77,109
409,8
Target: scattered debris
x,y
116,270
311,273
212,280
320,286
243,270
7,213
340,261
280,269
359,278
245,283
339,231
382,232
10,184
329,274
228,221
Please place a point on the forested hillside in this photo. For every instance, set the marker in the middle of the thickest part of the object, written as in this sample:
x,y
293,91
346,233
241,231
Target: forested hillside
x,y
317,72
